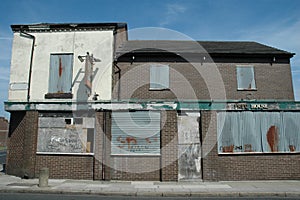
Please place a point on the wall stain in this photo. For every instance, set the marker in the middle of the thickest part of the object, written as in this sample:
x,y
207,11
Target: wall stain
x,y
60,68
273,138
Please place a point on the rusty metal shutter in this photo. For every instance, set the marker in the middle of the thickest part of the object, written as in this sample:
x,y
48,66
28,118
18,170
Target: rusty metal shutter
x,y
135,133
240,132
60,76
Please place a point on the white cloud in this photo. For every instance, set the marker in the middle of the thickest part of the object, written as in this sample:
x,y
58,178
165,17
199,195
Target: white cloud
x,y
173,11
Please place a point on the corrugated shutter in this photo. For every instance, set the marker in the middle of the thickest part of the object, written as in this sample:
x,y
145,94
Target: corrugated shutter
x,y
258,132
60,76
135,133
245,78
159,76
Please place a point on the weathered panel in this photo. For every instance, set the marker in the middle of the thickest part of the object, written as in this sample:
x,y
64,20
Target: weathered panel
x,y
60,140
61,69
291,128
258,132
188,128
135,133
18,86
189,162
159,76
189,147
52,122
245,78
65,135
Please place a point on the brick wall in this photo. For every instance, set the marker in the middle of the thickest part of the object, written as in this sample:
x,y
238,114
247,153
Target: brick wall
x,y
22,142
242,167
66,166
14,160
102,146
135,168
272,81
3,132
169,146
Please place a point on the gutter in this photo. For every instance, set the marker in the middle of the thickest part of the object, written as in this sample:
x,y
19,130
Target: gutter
x,y
27,35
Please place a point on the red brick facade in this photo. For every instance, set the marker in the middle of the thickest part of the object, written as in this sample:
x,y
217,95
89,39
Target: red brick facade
x,y
101,165
22,144
187,81
3,132
66,166
23,161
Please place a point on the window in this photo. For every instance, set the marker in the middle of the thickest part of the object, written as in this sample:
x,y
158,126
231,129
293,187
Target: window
x,y
63,135
159,77
60,75
135,133
245,78
267,132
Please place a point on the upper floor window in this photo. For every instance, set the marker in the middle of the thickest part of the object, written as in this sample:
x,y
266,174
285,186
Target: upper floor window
x,y
159,77
245,78
60,75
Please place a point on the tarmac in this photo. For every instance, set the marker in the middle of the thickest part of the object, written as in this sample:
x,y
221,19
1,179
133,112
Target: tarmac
x,y
289,188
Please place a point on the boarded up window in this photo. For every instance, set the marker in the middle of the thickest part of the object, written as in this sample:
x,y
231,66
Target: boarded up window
x,y
245,78
58,134
240,132
159,77
135,133
60,76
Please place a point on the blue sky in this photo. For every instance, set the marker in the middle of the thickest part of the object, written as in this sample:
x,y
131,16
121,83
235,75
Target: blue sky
x,y
271,22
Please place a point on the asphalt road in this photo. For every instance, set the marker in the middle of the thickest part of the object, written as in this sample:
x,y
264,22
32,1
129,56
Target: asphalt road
x,y
27,196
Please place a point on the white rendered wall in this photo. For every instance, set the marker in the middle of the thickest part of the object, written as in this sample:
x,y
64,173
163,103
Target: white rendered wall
x,y
98,43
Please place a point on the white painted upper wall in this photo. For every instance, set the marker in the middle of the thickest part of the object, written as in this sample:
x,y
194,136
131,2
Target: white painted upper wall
x,y
98,43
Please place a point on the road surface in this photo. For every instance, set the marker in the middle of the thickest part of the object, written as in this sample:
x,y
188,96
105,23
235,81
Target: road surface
x,y
28,196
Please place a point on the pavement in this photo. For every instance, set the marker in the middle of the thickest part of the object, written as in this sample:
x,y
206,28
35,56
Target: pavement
x,y
290,188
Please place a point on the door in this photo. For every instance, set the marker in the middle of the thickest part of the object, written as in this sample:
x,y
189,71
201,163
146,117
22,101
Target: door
x,y
189,146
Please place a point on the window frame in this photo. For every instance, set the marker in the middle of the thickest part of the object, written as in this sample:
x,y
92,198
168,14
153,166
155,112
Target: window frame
x,y
239,81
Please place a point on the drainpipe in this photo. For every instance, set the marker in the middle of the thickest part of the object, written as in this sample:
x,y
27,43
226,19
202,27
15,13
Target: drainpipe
x,y
119,79
104,145
31,60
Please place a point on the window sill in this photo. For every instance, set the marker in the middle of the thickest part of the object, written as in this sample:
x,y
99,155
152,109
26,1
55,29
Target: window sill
x,y
246,89
257,153
58,96
61,153
159,89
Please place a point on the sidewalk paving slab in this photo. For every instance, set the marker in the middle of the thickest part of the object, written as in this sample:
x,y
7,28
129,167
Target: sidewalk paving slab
x,y
14,184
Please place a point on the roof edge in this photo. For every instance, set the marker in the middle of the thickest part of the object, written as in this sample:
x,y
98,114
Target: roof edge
x,y
45,27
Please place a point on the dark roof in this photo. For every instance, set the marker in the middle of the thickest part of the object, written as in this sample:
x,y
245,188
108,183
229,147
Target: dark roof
x,y
44,27
211,47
